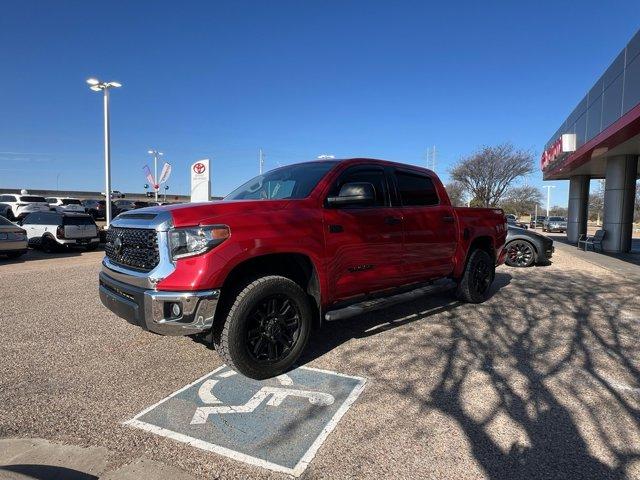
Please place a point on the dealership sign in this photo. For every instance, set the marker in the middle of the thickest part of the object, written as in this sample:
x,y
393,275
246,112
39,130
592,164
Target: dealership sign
x,y
563,146
200,181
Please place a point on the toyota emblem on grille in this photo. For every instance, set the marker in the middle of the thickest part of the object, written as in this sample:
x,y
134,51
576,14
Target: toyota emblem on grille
x,y
117,245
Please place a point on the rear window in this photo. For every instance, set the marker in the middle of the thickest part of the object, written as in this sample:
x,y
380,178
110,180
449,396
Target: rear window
x,y
80,220
416,189
70,201
31,198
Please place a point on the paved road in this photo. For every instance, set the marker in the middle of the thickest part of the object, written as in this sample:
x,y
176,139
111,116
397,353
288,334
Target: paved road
x,y
541,381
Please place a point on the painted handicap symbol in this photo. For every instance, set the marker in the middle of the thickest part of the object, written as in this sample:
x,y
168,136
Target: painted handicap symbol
x,y
277,394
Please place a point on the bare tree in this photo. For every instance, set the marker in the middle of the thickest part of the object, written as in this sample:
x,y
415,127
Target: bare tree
x,y
457,194
489,172
636,209
519,200
596,202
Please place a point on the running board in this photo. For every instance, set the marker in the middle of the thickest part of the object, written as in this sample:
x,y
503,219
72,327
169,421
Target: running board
x,y
379,303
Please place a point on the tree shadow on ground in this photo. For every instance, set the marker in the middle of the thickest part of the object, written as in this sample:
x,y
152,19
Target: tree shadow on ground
x,y
554,358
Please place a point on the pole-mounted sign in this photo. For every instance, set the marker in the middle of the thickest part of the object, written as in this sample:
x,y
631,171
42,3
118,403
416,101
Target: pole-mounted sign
x,y
149,177
200,181
166,172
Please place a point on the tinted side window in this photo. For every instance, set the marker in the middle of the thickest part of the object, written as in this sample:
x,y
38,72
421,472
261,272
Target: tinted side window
x,y
374,176
48,219
416,189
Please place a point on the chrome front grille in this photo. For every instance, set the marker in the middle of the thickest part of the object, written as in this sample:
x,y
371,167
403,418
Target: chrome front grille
x,y
135,248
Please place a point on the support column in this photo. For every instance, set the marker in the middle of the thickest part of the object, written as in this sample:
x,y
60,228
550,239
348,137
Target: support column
x,y
578,207
619,196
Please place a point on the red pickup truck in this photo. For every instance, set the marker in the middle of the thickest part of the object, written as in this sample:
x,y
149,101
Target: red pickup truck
x,y
289,250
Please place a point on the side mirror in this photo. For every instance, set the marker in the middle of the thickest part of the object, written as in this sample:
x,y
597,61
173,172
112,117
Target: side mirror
x,y
354,194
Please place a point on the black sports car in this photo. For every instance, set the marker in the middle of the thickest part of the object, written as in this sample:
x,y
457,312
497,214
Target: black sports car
x,y
525,248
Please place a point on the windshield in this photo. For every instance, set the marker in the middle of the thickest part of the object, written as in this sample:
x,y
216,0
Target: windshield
x,y
556,219
292,182
70,201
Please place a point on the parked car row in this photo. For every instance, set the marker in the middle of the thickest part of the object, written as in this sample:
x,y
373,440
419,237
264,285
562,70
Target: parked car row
x,y
16,207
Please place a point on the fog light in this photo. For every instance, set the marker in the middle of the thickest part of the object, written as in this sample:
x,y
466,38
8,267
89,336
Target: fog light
x,y
176,311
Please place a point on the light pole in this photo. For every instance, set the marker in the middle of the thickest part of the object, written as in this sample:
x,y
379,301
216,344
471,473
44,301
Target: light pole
x,y
549,187
155,154
96,85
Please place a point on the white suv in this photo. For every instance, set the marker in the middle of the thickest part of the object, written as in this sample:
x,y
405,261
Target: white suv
x,y
53,230
64,205
22,205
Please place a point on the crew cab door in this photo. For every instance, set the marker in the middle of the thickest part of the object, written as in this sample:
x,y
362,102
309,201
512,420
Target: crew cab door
x,y
430,230
363,245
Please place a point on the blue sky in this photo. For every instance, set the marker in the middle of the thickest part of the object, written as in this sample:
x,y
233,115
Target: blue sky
x,y
386,79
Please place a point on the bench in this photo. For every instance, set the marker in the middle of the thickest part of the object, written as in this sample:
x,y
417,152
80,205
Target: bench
x,y
594,240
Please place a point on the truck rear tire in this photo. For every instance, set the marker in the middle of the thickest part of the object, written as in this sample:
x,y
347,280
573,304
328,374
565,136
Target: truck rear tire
x,y
265,329
477,278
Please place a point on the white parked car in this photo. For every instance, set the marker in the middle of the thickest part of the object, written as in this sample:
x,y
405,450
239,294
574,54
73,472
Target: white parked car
x,y
53,230
62,205
22,205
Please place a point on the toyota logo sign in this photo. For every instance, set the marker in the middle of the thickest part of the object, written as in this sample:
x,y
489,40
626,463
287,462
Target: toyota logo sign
x,y
199,168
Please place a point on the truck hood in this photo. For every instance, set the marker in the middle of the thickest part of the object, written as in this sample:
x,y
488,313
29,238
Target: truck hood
x,y
207,213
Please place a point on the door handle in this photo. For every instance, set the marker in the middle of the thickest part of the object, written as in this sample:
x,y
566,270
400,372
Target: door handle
x,y
448,219
392,220
336,229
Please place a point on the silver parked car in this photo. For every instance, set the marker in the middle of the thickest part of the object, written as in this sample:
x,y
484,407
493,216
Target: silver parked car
x,y
13,239
554,224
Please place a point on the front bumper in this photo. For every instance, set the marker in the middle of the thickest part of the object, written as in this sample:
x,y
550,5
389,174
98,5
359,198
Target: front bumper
x,y
151,309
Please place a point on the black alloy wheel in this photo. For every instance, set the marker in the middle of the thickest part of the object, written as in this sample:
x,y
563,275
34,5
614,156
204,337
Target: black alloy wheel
x,y
520,253
475,284
273,328
262,326
481,277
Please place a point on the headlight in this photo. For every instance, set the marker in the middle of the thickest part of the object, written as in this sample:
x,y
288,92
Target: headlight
x,y
187,242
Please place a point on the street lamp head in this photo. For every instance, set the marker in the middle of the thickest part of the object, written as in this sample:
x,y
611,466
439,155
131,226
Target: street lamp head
x,y
95,88
114,84
93,81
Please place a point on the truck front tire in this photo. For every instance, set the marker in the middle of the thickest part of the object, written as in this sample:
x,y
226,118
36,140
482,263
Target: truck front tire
x,y
265,329
478,276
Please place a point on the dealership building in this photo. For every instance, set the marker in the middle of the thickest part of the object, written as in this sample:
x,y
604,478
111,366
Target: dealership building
x,y
600,139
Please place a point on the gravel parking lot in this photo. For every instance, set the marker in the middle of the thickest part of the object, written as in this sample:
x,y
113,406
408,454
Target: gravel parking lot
x,y
541,381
